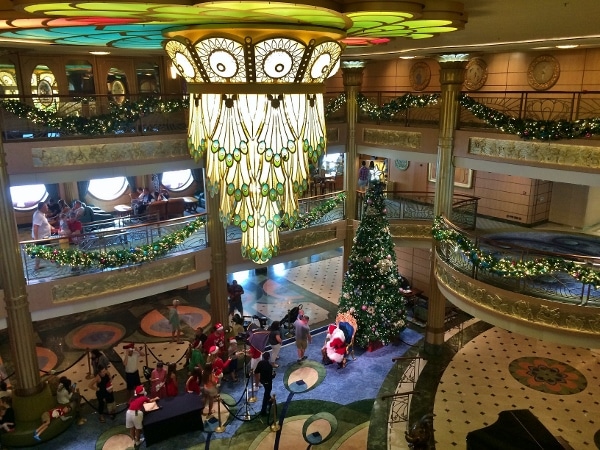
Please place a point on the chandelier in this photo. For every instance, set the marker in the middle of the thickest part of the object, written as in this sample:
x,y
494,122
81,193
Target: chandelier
x,y
257,115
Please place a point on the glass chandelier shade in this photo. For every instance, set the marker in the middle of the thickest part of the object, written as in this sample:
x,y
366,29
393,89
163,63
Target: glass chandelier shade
x,y
257,116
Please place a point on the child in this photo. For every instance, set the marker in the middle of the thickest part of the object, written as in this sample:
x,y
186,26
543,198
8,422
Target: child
x,y
59,412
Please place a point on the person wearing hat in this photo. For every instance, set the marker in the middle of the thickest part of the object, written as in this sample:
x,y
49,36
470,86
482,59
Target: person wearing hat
x,y
216,338
135,413
131,360
217,364
158,380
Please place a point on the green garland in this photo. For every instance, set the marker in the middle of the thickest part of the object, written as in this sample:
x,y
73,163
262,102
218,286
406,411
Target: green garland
x,y
543,130
115,258
120,117
124,116
510,268
150,252
306,219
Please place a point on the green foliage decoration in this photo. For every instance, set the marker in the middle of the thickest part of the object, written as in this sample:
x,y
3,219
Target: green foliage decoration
x,y
372,289
508,267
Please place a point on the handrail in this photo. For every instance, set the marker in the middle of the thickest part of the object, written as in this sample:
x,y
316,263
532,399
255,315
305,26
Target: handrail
x,y
486,260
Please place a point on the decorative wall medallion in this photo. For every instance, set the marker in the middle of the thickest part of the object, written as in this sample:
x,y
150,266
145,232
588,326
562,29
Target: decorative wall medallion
x,y
401,164
475,74
44,91
543,72
118,91
420,76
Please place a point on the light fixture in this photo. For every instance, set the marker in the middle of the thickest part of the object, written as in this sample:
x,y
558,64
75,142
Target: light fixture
x,y
257,114
567,46
173,72
99,53
256,86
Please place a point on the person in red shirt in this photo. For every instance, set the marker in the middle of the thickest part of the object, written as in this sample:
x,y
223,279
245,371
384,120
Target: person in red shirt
x,y
135,413
216,338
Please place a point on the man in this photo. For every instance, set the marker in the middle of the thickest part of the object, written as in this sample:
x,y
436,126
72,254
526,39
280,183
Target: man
x,y
235,298
135,414
303,337
265,372
216,338
175,323
363,176
40,228
132,374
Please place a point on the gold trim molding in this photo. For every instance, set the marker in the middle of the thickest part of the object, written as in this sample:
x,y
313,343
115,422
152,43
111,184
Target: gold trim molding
x,y
308,238
81,155
120,280
530,313
410,231
537,152
392,138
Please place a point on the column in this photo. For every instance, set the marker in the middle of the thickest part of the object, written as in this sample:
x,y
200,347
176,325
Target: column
x,y
452,69
352,72
218,275
20,327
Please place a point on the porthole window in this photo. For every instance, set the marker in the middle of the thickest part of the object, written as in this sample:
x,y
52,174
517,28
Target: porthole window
x,y
26,198
177,180
107,188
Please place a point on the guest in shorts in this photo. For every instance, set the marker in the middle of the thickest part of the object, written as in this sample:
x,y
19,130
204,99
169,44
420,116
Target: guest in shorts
x,y
135,414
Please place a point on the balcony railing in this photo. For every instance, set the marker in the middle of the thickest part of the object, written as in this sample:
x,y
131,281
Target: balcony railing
x,y
542,106
555,285
418,205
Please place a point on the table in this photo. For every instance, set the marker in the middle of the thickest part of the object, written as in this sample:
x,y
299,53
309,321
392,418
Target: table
x,y
177,415
123,210
191,204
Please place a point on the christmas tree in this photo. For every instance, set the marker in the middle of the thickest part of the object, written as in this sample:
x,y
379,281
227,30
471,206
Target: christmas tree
x,y
373,289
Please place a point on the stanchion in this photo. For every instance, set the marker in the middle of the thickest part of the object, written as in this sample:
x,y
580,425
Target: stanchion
x,y
89,375
252,398
275,425
221,427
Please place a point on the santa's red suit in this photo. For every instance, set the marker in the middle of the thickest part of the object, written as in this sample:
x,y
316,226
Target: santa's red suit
x,y
336,346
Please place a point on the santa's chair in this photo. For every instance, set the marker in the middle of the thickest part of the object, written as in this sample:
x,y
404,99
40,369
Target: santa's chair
x,y
346,322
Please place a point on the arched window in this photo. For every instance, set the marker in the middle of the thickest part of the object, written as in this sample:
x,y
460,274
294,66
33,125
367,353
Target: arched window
x,y
177,180
107,188
26,198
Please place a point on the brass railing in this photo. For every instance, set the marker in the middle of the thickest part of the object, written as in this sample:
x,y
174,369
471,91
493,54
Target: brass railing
x,y
555,286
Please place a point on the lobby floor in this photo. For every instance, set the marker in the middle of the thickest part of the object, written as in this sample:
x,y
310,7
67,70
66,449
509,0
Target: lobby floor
x,y
481,371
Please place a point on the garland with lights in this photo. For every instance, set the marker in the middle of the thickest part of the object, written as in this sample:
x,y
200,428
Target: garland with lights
x,y
543,130
120,117
123,116
115,258
511,268
318,212
150,252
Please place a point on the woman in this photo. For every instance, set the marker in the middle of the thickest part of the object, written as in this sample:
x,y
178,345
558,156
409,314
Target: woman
x,y
172,389
192,385
102,384
275,342
209,388
99,360
158,380
68,394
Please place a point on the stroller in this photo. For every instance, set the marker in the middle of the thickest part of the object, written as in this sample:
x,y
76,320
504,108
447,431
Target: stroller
x,y
289,319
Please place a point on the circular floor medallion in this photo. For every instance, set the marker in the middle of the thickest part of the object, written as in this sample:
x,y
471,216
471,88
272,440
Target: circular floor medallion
x,y
547,375
96,335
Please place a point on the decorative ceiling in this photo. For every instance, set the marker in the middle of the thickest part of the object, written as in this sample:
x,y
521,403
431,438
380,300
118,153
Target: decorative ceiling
x,y
143,25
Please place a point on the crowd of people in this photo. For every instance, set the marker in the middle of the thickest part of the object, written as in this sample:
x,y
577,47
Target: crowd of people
x,y
211,360
144,196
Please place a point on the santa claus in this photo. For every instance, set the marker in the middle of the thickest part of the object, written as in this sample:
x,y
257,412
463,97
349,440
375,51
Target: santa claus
x,y
335,346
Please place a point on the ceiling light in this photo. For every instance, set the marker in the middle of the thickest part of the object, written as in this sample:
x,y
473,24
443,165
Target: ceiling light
x,y
99,53
257,116
567,46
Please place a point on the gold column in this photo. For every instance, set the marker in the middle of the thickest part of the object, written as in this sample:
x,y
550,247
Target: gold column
x,y
352,72
218,275
452,73
20,327
71,192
